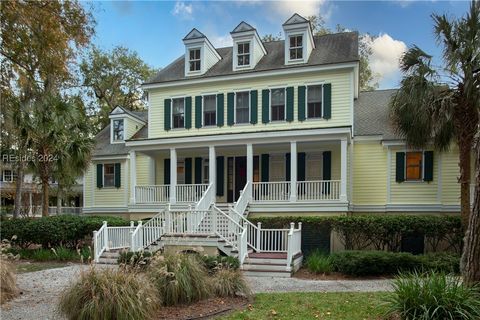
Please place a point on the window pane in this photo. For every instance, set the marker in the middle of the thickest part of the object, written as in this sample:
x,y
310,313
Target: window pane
x,y
315,94
109,175
178,112
414,165
242,107
118,130
278,97
209,103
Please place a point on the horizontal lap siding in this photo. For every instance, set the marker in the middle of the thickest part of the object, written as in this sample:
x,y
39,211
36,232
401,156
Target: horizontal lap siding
x,y
341,103
143,169
450,175
132,127
88,186
369,174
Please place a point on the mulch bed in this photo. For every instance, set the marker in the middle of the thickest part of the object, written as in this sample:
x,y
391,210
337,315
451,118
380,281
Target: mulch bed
x,y
203,309
303,273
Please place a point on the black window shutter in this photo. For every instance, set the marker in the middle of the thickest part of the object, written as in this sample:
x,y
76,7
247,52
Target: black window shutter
x,y
289,104
428,174
253,106
188,170
166,171
327,165
220,175
287,166
198,170
265,167
265,106
167,114
220,112
301,103
188,112
230,107
301,166
400,166
198,112
327,101
118,175
100,175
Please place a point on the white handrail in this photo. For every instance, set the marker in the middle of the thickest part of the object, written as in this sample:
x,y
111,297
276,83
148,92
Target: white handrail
x,y
244,198
146,234
100,241
227,228
294,243
119,237
207,199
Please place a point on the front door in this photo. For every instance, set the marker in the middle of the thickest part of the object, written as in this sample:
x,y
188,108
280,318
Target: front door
x,y
240,175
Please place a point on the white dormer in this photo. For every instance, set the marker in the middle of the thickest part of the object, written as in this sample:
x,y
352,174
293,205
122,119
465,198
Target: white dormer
x,y
298,40
247,48
124,124
200,55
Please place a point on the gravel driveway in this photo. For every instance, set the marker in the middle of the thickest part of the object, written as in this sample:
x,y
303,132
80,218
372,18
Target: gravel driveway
x,y
41,290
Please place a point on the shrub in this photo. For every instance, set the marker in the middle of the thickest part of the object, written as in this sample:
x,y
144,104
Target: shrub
x,y
135,259
8,282
109,294
433,296
179,278
65,254
213,263
229,283
369,263
318,262
42,255
441,262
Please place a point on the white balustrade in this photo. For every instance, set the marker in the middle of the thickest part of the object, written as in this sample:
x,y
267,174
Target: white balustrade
x,y
244,198
119,237
318,190
294,243
100,241
190,192
271,191
152,194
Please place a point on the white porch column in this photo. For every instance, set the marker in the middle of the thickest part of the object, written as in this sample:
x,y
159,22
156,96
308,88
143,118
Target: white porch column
x,y
343,170
133,175
173,175
250,164
293,171
212,167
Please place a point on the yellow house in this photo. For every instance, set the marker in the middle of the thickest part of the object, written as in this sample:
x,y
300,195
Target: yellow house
x,y
264,128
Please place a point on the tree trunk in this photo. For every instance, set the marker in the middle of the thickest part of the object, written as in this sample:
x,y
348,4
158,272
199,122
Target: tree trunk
x,y
45,197
59,200
470,263
18,191
465,159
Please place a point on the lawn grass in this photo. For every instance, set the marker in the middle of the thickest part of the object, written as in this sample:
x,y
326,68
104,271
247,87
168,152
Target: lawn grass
x,y
314,305
24,267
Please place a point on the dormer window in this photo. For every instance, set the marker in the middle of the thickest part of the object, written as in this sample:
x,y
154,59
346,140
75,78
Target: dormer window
x,y
178,113
194,60
243,54
296,47
118,130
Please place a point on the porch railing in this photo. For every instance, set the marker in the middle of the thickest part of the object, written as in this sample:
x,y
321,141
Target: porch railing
x,y
294,243
244,198
190,192
271,191
100,241
119,237
318,190
152,194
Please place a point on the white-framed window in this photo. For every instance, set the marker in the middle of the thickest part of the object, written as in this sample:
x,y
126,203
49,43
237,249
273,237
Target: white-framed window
x,y
277,104
178,113
9,176
242,107
118,130
194,59
296,47
243,54
108,175
314,101
210,110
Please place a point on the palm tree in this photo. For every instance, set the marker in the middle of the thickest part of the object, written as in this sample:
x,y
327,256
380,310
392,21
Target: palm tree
x,y
441,105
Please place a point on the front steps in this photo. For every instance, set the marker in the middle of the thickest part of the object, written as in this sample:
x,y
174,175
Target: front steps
x,y
110,257
270,264
224,207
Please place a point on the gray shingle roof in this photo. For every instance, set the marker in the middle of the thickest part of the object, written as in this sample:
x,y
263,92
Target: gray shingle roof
x,y
371,114
330,48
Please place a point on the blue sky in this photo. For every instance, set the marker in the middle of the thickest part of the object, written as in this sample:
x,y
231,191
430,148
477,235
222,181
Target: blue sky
x,y
155,29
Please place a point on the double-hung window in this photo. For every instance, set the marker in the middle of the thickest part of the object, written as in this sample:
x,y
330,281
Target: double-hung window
x,y
178,114
243,54
414,166
109,175
118,130
209,110
278,104
296,47
9,176
194,59
242,107
314,101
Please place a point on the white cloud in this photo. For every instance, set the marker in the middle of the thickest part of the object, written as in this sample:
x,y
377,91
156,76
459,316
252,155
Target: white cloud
x,y
221,41
303,8
385,58
182,10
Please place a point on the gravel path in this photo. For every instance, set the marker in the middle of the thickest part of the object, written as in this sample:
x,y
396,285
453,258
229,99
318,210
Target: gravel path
x,y
41,290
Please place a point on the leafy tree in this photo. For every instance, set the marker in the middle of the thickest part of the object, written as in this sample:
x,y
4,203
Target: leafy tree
x,y
271,37
40,42
439,105
113,78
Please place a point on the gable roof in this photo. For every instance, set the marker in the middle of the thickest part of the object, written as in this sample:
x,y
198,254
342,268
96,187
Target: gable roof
x,y
139,115
243,26
371,114
295,19
330,49
194,34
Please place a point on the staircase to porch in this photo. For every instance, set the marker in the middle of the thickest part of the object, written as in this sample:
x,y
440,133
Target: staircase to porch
x,y
225,227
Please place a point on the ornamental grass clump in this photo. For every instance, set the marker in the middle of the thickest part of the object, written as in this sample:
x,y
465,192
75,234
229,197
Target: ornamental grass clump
x,y
433,296
8,281
319,263
228,282
179,278
109,294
